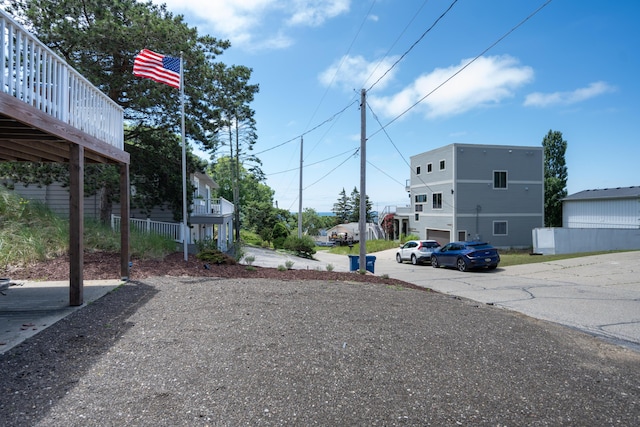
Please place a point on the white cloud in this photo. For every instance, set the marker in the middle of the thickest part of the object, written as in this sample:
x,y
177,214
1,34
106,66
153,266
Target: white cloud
x,y
488,80
539,99
354,72
314,13
257,24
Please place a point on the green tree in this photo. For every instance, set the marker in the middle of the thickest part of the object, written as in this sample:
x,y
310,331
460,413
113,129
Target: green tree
x,y
154,185
555,177
256,198
354,202
342,208
237,125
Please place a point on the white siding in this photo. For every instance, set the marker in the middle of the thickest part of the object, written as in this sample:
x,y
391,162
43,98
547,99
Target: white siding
x,y
616,213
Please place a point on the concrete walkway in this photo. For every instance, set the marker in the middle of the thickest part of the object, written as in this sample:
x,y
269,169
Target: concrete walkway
x,y
27,308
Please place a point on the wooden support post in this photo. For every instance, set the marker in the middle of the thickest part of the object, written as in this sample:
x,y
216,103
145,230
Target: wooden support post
x,y
124,221
76,225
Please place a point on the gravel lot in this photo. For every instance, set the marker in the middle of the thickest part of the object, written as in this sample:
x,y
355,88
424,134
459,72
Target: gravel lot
x,y
182,351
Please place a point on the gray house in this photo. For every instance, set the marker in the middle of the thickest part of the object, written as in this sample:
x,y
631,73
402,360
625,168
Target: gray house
x,y
467,192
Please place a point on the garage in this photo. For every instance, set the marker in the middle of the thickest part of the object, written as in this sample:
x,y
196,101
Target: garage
x,y
441,236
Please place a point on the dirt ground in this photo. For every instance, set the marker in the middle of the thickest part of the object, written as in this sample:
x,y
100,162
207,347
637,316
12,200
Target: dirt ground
x,y
104,266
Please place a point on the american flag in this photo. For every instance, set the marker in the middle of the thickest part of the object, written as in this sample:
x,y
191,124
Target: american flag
x,y
157,67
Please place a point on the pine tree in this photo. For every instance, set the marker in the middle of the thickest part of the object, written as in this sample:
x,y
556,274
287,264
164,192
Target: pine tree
x,y
342,208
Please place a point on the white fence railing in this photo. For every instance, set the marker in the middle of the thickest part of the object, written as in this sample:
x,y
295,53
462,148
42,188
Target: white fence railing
x,y
216,206
172,230
34,74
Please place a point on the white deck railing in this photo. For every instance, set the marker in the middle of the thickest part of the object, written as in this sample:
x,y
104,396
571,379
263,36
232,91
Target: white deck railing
x,y
217,207
172,230
34,74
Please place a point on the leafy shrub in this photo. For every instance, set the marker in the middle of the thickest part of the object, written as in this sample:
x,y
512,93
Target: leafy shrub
x,y
303,246
280,234
278,243
251,238
206,243
214,256
404,239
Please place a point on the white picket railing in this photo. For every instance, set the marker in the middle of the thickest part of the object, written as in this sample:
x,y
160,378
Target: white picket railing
x,y
34,74
172,230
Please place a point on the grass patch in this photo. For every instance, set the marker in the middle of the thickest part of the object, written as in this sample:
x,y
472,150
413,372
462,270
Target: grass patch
x,y
508,258
30,232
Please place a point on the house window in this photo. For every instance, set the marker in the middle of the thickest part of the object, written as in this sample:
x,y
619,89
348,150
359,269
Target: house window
x,y
429,167
437,200
419,208
418,170
499,228
417,217
196,189
421,198
441,165
499,179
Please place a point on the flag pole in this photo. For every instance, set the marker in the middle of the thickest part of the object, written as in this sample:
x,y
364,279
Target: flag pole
x,y
184,163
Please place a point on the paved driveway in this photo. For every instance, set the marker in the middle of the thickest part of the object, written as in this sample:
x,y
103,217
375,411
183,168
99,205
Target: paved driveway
x,y
597,294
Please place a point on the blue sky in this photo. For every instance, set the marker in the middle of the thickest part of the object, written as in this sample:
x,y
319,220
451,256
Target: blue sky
x,y
475,77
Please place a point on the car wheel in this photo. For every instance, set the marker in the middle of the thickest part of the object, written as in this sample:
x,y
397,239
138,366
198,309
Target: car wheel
x,y
414,260
434,262
399,258
493,266
462,266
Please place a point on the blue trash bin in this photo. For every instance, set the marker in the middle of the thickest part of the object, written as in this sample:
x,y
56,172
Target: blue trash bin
x,y
354,263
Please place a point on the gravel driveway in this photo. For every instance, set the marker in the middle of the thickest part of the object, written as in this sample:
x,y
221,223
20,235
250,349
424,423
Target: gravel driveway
x,y
190,352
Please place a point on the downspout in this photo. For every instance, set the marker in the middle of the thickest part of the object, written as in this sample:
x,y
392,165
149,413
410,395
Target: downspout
x,y
454,188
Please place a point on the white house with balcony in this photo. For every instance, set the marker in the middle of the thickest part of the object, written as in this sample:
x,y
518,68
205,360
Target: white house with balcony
x,y
210,218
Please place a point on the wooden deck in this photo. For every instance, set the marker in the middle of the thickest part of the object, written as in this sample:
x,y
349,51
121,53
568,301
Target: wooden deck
x,y
50,113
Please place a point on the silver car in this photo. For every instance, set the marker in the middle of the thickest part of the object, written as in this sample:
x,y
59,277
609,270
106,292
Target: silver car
x,y
417,251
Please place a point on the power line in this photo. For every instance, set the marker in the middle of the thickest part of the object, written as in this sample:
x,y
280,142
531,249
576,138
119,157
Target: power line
x,y
414,44
384,173
296,138
402,156
355,152
415,15
311,164
343,59
465,66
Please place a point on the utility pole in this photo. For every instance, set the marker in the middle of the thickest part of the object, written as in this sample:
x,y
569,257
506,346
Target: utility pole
x,y
363,180
300,194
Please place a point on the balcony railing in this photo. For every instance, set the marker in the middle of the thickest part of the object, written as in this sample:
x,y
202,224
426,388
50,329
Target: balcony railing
x,y
34,74
212,207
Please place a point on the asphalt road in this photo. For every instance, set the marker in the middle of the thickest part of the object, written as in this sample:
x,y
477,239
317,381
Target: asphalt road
x,y
597,294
